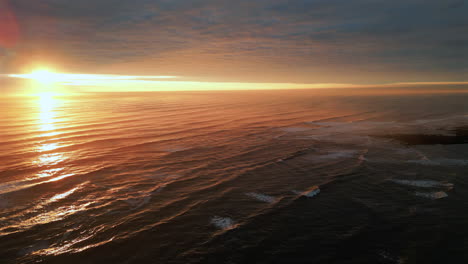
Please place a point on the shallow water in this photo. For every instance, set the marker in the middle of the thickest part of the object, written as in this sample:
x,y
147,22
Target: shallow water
x,y
224,177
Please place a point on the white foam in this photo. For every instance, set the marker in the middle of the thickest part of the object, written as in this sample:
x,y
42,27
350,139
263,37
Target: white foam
x,y
431,195
262,197
310,193
422,183
440,162
224,223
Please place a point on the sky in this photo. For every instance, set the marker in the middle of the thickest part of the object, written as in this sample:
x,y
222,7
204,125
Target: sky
x,y
254,41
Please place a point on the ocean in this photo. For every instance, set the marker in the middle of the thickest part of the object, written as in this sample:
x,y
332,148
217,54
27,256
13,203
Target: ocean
x,y
299,176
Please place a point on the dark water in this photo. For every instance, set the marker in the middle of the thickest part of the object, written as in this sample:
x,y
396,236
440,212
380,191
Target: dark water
x,y
233,177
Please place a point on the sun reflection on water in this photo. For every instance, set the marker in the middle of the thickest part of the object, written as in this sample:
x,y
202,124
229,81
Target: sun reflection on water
x,y
49,159
47,115
48,147
49,172
47,119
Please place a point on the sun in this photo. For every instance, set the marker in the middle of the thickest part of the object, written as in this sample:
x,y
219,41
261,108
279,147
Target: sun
x,y
44,76
44,80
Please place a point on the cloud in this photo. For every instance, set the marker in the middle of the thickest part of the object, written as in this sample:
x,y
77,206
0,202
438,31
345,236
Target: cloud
x,y
298,41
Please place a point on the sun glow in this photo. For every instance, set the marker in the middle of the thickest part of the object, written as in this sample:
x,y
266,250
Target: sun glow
x,y
46,121
45,76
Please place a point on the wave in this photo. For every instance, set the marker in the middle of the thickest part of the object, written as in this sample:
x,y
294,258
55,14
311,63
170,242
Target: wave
x,y
341,117
224,223
47,217
440,162
262,197
339,154
219,159
314,191
14,186
422,183
431,195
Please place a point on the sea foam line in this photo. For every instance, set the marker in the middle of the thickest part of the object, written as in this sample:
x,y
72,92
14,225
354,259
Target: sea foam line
x,y
262,197
224,223
422,183
431,195
309,193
